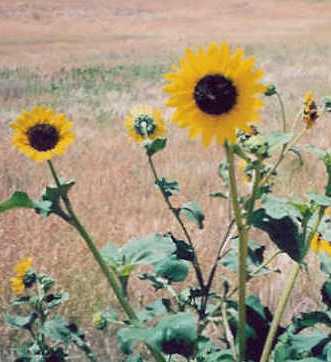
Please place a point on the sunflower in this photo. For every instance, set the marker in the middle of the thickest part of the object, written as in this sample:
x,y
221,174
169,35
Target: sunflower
x,y
41,133
319,245
19,282
310,111
215,92
145,123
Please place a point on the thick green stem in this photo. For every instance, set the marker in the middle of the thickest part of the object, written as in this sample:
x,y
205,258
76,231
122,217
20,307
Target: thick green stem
x,y
243,251
279,312
109,274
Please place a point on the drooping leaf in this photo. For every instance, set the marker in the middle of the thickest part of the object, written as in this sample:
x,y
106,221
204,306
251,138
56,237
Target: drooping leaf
x,y
184,250
193,212
283,231
321,200
277,139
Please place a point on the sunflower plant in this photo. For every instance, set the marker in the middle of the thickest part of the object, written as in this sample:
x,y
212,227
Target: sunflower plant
x,y
32,312
218,94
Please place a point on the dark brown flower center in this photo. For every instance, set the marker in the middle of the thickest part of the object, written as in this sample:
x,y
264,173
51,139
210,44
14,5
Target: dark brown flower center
x,y
43,137
215,94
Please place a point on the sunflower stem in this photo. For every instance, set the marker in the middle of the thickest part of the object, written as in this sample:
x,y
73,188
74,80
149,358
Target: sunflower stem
x,y
282,109
109,274
175,212
243,251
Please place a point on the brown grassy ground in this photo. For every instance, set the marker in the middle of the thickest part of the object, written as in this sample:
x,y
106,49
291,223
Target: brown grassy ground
x,y
42,40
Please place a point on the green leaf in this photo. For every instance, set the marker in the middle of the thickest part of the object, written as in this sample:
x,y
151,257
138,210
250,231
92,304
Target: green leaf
x,y
184,250
325,265
219,194
18,199
254,258
130,336
57,330
172,269
326,293
56,299
321,200
147,250
310,319
21,322
278,208
277,139
155,309
283,231
135,358
155,146
169,188
193,212
176,334
223,172
52,194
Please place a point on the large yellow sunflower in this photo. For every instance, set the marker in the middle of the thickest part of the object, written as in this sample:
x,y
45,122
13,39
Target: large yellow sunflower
x,y
145,123
215,92
17,283
42,134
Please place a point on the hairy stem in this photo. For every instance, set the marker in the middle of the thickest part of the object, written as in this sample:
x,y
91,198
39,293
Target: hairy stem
x,y
109,274
243,251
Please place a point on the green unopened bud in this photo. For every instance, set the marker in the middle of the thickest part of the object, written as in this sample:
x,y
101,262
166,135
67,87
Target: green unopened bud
x,y
271,90
100,321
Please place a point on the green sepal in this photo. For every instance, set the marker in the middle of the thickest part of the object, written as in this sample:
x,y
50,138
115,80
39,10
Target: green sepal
x,y
270,91
152,147
193,212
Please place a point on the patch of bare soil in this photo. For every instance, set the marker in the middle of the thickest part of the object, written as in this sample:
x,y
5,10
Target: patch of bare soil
x,y
51,34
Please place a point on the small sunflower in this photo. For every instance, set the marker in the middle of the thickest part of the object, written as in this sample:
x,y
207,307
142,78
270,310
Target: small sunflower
x,y
41,134
215,92
20,281
310,111
145,123
320,245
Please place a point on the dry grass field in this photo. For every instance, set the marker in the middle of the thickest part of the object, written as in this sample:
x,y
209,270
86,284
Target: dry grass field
x,y
93,59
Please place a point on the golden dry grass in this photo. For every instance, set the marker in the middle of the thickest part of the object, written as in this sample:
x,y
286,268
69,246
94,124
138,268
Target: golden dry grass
x,y
114,194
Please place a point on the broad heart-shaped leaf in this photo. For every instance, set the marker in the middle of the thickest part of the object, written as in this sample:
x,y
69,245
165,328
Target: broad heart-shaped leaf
x,y
254,258
176,334
130,336
172,269
21,322
283,231
169,188
193,212
155,146
147,250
